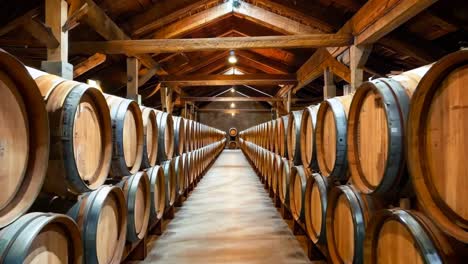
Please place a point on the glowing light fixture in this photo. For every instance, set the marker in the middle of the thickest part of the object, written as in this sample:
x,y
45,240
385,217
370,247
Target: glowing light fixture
x,y
233,105
233,90
232,57
232,114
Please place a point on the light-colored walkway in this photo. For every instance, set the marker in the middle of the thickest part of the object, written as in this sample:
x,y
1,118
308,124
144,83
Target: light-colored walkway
x,y
228,218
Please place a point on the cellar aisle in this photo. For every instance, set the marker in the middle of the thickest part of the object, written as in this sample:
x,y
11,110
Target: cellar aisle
x,y
228,218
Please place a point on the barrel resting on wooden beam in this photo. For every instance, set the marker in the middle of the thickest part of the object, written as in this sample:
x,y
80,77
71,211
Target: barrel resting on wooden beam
x,y
144,46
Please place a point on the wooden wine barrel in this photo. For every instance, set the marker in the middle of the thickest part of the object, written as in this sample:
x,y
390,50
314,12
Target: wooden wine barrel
x,y
179,135
270,168
158,192
137,192
101,216
284,181
180,175
165,136
297,186
348,213
41,238
277,168
150,129
378,114
281,141
315,207
400,236
186,165
233,132
24,139
293,137
307,137
128,136
81,141
187,140
437,145
232,145
330,137
170,182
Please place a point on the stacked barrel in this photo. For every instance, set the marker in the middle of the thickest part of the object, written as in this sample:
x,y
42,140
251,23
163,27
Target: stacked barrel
x,y
233,138
95,171
378,175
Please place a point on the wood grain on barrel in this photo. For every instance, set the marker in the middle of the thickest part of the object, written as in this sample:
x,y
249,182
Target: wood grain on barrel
x,y
14,139
130,139
316,210
397,245
328,149
49,246
447,145
87,141
108,230
372,133
343,230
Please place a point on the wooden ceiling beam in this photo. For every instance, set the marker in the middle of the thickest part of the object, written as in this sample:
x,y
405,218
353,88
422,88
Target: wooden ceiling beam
x,y
192,22
318,20
231,99
88,64
217,80
263,63
163,13
144,46
272,20
97,19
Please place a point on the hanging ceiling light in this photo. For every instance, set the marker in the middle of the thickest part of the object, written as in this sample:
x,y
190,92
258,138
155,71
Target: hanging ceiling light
x,y
232,114
233,90
233,105
232,57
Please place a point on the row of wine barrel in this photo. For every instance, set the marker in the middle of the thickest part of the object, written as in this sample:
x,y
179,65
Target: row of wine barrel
x,y
96,227
394,137
66,138
349,226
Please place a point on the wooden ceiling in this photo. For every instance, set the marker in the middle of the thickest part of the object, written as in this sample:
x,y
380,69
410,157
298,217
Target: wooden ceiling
x,y
423,39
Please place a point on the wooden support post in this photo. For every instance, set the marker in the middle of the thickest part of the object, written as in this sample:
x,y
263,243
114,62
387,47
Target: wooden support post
x,y
163,99
288,102
57,58
358,58
169,102
329,88
132,79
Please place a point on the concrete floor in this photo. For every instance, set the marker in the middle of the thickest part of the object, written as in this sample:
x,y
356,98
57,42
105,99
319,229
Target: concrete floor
x,y
228,218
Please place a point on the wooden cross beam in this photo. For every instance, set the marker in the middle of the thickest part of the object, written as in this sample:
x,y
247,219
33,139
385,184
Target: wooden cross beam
x,y
220,80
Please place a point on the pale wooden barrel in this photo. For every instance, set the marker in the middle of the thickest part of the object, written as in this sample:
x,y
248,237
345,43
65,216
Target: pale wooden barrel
x,y
376,133
277,168
190,140
330,137
186,165
158,192
24,139
307,137
101,216
284,181
437,144
137,192
232,145
128,136
281,142
187,139
179,135
41,238
165,136
270,168
233,132
348,213
400,236
293,137
315,207
180,174
150,129
170,182
81,135
297,186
